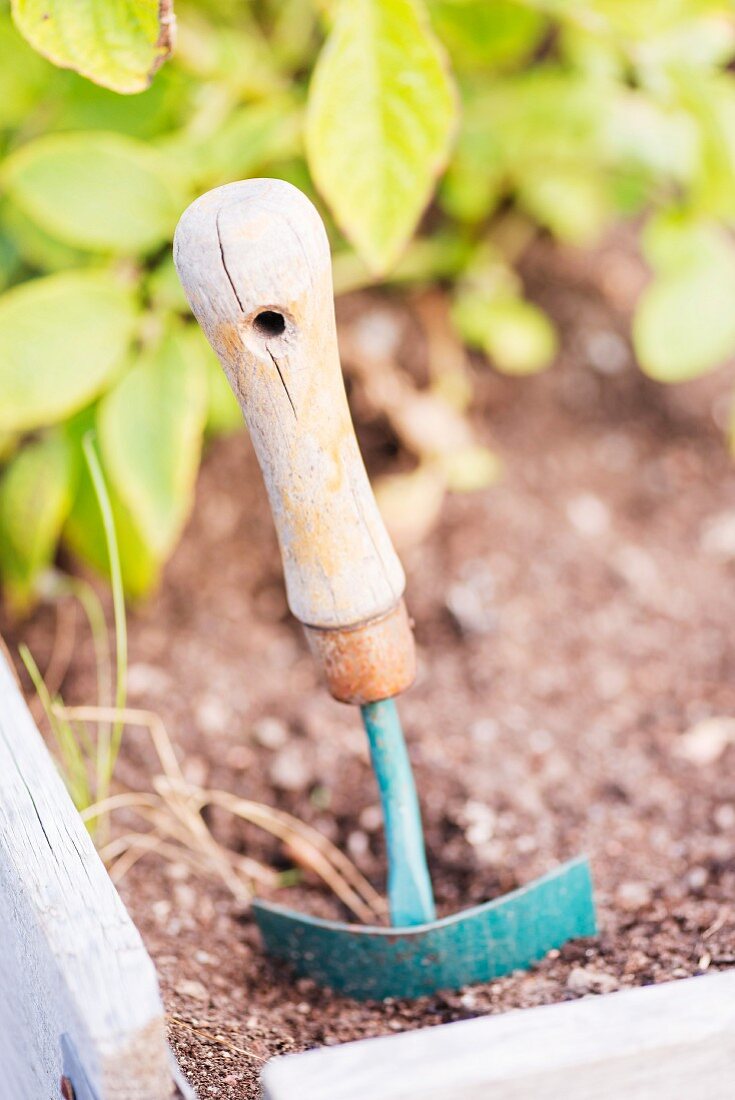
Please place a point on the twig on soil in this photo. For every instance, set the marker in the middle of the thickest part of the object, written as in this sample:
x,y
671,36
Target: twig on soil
x,y
205,1037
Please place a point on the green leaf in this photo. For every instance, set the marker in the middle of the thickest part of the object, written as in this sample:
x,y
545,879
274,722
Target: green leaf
x,y
248,140
97,191
35,497
514,333
23,75
37,248
380,121
8,444
164,288
684,323
119,45
150,433
476,178
481,35
62,340
570,203
231,54
83,533
85,106
710,99
10,261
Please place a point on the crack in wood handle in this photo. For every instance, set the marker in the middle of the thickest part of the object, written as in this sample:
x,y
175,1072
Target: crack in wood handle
x,y
254,261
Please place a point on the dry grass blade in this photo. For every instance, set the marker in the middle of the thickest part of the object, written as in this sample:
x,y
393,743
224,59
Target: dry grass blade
x,y
118,854
175,815
130,716
154,809
207,1038
184,806
129,800
312,848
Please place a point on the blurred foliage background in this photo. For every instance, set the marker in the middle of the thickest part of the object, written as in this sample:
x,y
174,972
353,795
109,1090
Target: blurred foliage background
x,y
559,115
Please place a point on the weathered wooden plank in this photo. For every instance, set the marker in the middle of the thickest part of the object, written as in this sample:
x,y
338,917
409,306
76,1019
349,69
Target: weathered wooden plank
x,y
77,988
675,1041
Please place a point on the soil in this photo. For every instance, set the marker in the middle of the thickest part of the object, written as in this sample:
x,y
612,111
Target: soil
x,y
577,674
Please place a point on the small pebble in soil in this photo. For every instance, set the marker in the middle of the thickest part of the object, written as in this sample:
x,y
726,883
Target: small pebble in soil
x,y
717,537
606,351
479,823
291,769
706,741
212,715
161,910
177,872
484,731
697,878
270,732
189,987
147,680
371,818
357,843
724,816
584,979
588,515
377,333
185,897
206,959
633,895
471,600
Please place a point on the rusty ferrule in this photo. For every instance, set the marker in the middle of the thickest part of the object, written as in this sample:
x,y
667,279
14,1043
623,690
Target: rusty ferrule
x,y
369,661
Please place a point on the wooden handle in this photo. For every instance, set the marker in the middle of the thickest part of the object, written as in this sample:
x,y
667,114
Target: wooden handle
x,y
253,258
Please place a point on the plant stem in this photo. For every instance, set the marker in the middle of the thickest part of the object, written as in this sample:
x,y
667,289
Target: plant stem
x,y
109,743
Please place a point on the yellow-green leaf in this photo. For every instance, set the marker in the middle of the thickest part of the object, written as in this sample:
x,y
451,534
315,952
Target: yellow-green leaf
x,y
35,497
150,432
483,35
36,247
380,120
514,333
684,323
116,43
62,340
97,191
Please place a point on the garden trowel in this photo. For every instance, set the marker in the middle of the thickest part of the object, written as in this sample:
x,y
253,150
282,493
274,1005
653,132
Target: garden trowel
x,y
254,260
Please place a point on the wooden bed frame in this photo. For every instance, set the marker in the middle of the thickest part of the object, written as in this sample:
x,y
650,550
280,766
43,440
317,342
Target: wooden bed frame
x,y
674,1041
79,996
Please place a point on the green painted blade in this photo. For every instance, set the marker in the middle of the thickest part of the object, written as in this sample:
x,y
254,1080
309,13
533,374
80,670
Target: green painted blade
x,y
477,945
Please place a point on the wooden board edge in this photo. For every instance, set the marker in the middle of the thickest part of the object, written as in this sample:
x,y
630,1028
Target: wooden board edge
x,y
675,1040
78,991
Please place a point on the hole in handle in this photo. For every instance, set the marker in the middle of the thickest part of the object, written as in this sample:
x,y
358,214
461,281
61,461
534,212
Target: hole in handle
x,y
270,323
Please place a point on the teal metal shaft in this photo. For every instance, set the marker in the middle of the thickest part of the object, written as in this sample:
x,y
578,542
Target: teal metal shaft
x,y
410,895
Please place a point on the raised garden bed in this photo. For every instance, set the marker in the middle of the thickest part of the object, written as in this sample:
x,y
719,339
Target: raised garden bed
x,y
574,623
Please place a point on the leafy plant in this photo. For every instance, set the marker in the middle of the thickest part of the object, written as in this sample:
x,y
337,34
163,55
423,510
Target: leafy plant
x,y
511,118
88,758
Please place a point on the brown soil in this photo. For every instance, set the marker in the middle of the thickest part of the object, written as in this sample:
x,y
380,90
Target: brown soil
x,y
573,623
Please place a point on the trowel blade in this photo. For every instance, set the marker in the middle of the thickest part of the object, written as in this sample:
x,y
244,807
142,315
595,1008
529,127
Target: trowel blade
x,y
484,942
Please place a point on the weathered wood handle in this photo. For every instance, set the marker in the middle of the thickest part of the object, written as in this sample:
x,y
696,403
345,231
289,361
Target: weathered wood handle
x,y
253,258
